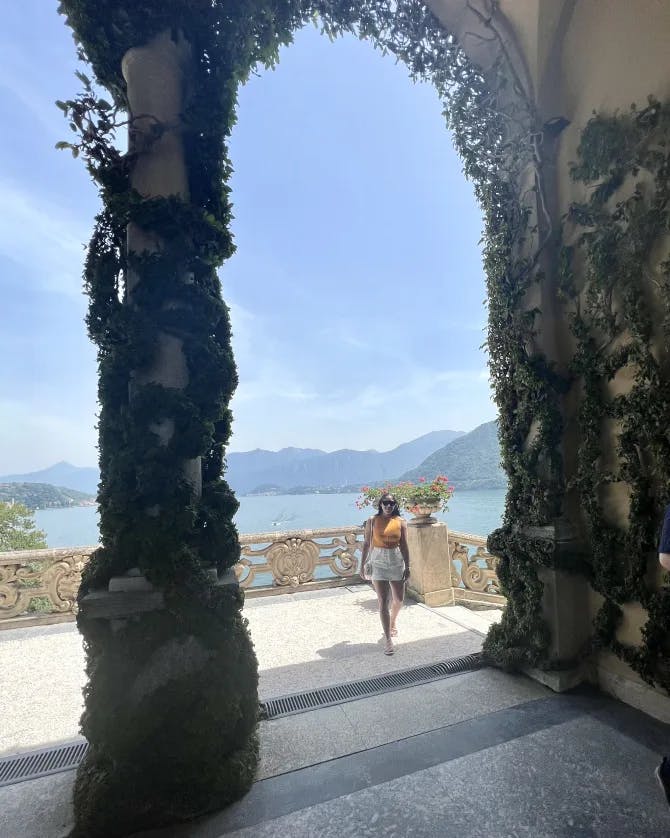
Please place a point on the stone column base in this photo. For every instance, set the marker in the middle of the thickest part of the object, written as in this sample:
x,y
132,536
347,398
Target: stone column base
x,y
430,566
432,598
630,689
171,704
558,680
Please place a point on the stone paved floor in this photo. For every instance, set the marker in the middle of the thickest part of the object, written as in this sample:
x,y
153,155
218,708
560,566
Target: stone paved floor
x,y
508,760
478,754
302,641
319,638
551,768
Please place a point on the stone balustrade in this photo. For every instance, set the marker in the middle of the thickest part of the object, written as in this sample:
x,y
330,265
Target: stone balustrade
x,y
40,586
276,562
474,571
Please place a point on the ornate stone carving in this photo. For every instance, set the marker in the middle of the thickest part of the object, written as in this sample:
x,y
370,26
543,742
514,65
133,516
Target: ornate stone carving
x,y
245,571
51,574
343,561
293,561
269,561
459,552
13,599
62,581
478,570
291,558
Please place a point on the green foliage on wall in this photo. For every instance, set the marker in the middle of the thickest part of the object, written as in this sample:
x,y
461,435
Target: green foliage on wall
x,y
495,130
619,302
497,137
497,144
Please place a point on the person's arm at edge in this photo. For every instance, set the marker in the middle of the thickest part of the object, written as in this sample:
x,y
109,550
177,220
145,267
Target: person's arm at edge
x,y
664,545
404,549
366,546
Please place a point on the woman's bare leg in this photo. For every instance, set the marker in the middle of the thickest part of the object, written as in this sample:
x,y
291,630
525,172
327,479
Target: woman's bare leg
x,y
398,595
383,591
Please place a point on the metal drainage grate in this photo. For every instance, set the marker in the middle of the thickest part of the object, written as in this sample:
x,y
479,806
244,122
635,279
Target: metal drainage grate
x,y
310,700
34,764
29,766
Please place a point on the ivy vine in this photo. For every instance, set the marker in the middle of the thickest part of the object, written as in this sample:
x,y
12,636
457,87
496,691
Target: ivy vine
x,y
151,516
620,319
497,142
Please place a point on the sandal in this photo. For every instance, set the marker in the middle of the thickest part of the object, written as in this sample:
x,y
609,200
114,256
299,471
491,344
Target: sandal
x,y
388,648
394,632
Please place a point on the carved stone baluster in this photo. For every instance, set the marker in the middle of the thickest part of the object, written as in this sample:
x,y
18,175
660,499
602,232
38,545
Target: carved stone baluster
x,y
293,561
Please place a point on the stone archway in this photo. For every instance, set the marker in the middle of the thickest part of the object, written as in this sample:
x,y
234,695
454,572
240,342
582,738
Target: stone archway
x,y
158,607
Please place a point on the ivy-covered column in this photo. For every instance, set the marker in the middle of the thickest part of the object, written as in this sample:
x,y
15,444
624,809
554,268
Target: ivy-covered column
x,y
156,76
171,702
512,171
615,284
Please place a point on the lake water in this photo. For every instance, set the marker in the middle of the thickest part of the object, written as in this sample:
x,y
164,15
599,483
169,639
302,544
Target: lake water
x,y
472,512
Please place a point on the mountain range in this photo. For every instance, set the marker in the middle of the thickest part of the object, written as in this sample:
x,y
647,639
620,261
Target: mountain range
x,y
292,467
470,461
82,479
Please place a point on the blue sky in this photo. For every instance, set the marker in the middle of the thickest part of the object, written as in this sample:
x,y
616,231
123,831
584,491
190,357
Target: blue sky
x,y
356,292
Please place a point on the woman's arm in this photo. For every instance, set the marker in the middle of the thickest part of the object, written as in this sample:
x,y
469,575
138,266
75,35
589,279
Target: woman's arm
x,y
367,543
404,549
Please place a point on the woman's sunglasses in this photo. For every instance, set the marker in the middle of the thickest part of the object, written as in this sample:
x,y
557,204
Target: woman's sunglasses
x,y
388,503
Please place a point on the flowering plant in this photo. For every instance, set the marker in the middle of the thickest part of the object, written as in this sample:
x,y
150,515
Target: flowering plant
x,y
410,495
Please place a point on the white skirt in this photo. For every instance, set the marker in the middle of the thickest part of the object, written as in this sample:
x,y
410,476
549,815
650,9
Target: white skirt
x,y
387,564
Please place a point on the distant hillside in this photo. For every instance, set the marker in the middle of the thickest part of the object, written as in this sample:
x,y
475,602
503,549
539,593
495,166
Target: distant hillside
x,y
61,474
245,469
470,462
280,470
42,495
335,469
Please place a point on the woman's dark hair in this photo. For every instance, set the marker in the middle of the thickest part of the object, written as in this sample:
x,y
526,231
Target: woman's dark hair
x,y
396,509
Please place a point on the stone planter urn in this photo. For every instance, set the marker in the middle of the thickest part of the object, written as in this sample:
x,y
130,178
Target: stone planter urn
x,y
422,513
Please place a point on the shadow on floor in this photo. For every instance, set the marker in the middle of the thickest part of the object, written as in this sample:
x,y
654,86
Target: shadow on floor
x,y
347,661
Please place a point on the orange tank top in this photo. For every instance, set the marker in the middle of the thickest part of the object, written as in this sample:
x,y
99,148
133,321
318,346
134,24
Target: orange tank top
x,y
386,533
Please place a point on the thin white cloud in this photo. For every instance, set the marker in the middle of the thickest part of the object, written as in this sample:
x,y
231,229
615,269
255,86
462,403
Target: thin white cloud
x,y
263,378
28,81
345,333
43,237
271,383
18,78
368,418
418,385
34,439
244,325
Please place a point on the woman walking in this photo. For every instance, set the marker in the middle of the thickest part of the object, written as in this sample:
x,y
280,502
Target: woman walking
x,y
385,561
